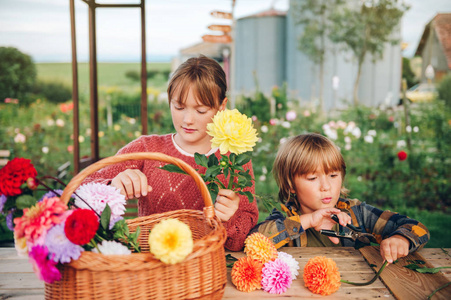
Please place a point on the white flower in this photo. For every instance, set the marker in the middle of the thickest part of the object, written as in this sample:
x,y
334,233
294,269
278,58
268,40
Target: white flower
x,y
81,139
369,139
45,150
401,144
88,131
264,128
131,120
50,122
416,129
409,128
348,147
282,140
291,262
59,123
372,132
341,124
264,170
112,248
347,139
356,132
359,178
332,124
98,195
290,115
286,124
137,133
262,178
259,140
20,138
331,133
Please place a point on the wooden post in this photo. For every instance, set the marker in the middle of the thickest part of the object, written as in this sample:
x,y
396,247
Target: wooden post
x,y
406,103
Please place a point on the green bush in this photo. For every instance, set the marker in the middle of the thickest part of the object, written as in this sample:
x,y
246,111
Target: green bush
x,y
17,74
54,92
444,90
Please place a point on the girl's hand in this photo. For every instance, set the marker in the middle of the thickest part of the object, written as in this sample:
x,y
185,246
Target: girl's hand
x,y
226,204
394,247
321,219
132,183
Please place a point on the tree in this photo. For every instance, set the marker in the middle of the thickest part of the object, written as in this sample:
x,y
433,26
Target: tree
x,y
407,73
17,73
366,30
314,15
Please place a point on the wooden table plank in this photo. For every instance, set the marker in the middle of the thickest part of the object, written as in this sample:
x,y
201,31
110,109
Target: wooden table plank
x,y
405,283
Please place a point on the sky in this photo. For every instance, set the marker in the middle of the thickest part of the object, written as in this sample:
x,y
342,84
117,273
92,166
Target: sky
x,y
41,28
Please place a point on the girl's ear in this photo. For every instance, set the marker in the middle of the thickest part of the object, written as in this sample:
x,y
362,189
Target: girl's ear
x,y
224,103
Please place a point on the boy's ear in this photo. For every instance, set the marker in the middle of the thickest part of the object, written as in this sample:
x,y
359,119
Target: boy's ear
x,y
224,103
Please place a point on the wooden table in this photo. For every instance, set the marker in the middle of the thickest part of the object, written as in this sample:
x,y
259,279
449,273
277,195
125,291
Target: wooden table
x,y
17,280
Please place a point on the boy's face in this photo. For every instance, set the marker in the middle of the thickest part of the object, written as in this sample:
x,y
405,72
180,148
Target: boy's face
x,y
317,190
190,121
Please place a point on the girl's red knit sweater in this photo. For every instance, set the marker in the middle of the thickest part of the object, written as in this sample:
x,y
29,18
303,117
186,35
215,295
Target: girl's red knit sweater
x,y
173,191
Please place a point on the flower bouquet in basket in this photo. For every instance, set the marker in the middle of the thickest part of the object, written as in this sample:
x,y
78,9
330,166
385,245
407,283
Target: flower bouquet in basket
x,y
80,245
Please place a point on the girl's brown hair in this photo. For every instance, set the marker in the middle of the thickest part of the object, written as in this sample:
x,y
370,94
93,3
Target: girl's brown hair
x,y
205,76
305,154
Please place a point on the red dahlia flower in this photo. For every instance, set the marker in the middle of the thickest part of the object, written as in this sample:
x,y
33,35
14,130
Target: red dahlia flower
x,y
81,226
402,155
14,174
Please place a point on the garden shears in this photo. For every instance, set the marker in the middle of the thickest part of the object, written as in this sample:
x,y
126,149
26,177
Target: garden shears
x,y
354,234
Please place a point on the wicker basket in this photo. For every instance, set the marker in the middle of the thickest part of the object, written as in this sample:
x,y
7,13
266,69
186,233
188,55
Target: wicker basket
x,y
202,275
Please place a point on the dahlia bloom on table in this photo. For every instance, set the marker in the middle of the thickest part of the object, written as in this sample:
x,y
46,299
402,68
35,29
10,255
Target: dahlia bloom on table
x,y
233,132
264,267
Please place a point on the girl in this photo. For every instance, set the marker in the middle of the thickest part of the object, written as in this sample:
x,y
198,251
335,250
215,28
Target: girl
x,y
309,170
196,92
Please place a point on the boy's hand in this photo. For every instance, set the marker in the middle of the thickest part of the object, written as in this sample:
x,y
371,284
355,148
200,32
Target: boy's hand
x,y
394,247
320,219
132,183
226,204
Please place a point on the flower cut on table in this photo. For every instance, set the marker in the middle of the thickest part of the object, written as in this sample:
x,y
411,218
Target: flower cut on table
x,y
171,241
262,268
234,133
321,276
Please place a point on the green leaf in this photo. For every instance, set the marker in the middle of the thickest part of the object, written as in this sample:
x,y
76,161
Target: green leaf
x,y
249,196
212,172
230,257
201,159
173,169
25,201
213,189
417,261
232,158
213,160
226,172
105,217
242,159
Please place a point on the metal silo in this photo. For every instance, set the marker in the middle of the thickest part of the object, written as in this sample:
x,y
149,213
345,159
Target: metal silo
x,y
260,46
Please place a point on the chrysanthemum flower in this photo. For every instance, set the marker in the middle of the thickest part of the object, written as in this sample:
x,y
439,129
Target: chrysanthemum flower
x,y
276,277
321,276
62,249
232,131
291,262
259,247
38,219
81,226
247,274
21,246
112,248
171,241
44,267
98,195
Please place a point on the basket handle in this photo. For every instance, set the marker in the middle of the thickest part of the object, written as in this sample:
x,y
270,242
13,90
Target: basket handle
x,y
78,179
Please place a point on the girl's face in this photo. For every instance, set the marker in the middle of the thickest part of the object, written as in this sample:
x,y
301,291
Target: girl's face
x,y
190,121
317,190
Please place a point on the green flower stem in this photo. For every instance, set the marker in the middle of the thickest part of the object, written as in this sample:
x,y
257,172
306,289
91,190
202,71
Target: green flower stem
x,y
440,288
94,244
369,282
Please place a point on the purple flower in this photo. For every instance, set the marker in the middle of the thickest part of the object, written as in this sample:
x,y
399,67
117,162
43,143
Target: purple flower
x,y
44,267
291,115
97,195
276,277
62,249
9,220
51,194
2,202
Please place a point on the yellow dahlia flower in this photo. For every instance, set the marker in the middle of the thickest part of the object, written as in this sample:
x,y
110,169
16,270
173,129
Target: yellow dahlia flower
x,y
232,131
171,241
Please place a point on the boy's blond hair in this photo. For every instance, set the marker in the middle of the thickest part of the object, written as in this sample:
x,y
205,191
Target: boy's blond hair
x,y
202,74
305,154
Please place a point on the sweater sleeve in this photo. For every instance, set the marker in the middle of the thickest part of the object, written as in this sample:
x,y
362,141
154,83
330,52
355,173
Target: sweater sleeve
x,y
244,219
107,174
384,224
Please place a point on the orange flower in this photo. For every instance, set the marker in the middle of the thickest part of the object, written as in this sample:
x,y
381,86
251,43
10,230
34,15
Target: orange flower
x,y
247,274
259,247
321,276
